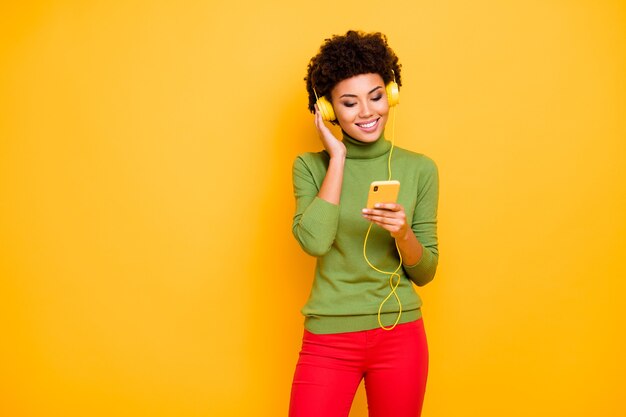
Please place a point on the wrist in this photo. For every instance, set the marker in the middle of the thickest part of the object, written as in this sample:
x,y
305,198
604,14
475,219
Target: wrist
x,y
338,158
406,236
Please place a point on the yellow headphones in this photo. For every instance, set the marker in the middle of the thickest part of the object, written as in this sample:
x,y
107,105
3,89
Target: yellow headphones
x,y
328,113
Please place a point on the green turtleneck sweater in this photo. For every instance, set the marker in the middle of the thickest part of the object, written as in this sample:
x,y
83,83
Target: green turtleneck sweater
x,y
346,292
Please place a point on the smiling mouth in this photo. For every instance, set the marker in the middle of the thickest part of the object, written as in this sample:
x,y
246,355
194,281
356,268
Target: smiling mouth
x,y
368,125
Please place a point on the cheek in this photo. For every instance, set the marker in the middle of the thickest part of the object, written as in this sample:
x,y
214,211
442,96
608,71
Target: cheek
x,y
382,107
345,114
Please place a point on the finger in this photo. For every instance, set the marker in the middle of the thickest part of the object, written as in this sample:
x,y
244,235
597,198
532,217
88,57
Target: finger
x,y
389,206
318,114
382,220
378,213
390,227
319,121
385,213
318,118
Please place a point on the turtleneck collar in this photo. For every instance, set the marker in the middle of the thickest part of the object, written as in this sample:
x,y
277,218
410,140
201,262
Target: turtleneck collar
x,y
363,150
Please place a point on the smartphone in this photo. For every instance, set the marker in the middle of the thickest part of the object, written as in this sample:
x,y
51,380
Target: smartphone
x,y
383,192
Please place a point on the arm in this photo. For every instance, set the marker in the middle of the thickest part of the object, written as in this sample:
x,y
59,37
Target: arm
x,y
424,228
417,243
317,211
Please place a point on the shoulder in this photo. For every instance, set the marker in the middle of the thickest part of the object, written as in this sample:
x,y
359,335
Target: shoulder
x,y
312,160
418,161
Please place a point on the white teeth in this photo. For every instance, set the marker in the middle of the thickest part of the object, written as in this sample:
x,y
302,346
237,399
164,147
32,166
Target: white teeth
x,y
368,125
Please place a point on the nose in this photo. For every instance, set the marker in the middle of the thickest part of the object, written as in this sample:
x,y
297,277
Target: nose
x,y
365,110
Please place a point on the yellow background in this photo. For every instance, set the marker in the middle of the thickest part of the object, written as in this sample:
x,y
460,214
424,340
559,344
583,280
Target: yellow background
x,y
147,264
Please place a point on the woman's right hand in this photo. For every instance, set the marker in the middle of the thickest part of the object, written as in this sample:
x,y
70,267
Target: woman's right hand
x,y
334,146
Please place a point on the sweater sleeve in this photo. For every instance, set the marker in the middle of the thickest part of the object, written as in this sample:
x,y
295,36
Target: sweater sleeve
x,y
315,221
424,225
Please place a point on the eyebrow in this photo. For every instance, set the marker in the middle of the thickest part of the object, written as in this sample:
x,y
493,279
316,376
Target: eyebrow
x,y
370,92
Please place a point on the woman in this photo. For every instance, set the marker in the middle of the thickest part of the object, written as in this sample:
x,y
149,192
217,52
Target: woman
x,y
361,320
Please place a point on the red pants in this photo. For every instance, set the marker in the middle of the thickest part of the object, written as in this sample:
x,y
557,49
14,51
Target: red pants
x,y
394,364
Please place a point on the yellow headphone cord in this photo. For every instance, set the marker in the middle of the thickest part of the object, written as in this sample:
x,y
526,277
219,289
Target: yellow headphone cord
x,y
393,276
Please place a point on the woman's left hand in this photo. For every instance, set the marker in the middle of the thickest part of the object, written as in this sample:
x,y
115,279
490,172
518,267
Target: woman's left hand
x,y
389,216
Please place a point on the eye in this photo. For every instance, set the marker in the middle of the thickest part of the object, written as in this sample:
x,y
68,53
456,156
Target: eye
x,y
378,97
349,104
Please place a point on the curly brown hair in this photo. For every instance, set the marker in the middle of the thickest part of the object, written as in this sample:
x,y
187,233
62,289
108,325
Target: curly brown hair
x,y
344,56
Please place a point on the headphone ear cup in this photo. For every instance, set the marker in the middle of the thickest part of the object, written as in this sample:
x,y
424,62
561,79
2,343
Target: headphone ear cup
x,y
326,109
393,93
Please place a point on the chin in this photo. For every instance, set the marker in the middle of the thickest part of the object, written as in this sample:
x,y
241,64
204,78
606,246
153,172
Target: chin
x,y
364,137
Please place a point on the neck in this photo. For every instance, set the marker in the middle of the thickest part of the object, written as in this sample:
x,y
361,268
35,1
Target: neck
x,y
365,150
